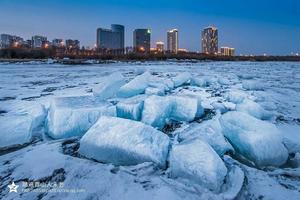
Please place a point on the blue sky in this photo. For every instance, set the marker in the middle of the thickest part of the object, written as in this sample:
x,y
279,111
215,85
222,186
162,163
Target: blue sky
x,y
252,27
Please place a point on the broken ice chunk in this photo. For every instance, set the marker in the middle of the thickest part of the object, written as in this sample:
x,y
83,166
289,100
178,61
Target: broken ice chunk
x,y
181,79
184,108
254,109
109,86
291,136
220,107
158,110
200,82
209,131
130,110
155,91
15,130
136,86
198,162
255,139
236,96
223,81
252,85
124,142
19,126
73,116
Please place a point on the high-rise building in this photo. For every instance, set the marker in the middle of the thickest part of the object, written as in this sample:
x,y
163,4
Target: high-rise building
x,y
7,41
142,40
72,44
38,41
58,43
227,51
160,46
111,39
210,40
172,40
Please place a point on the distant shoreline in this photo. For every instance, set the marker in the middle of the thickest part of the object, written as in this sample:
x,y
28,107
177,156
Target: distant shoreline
x,y
81,61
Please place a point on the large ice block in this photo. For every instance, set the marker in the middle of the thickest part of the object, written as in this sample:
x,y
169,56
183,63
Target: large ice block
x,y
124,142
256,140
198,162
20,125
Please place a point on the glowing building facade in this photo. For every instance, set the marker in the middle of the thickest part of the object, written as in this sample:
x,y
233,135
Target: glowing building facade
x,y
227,51
160,46
210,40
172,40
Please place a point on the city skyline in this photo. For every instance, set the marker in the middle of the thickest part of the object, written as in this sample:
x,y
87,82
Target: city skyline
x,y
253,32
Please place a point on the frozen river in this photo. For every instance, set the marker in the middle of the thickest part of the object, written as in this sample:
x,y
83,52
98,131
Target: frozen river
x,y
268,93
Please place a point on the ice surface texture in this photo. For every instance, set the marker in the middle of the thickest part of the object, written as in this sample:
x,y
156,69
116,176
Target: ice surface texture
x,y
254,109
197,161
124,142
109,86
209,131
256,140
19,128
181,79
73,116
158,110
136,86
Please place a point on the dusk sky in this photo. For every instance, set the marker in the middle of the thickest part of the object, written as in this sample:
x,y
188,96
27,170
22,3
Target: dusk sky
x,y
252,27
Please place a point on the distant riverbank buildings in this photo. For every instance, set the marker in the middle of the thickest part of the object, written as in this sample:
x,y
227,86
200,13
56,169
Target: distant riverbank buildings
x,y
111,40
7,41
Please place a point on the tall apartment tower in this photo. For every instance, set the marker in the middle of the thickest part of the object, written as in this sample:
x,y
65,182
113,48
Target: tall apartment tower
x,y
172,40
142,40
210,40
111,39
